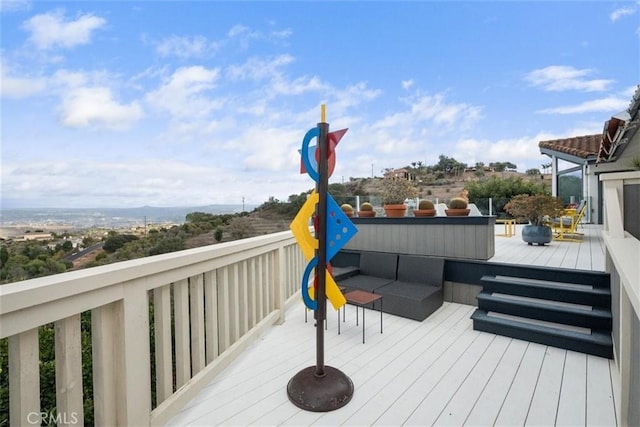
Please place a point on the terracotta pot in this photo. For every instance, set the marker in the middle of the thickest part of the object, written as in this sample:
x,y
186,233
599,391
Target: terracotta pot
x,y
366,214
424,212
395,211
457,212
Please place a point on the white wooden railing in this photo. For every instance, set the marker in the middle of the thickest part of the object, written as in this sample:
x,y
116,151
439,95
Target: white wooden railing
x,y
217,299
623,256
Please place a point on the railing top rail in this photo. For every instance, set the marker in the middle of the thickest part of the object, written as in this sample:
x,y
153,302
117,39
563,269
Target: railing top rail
x,y
28,293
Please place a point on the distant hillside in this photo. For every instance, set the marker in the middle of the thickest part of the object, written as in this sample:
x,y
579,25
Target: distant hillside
x,y
446,188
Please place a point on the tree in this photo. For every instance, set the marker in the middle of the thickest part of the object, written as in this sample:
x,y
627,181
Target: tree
x,y
502,190
166,245
113,243
449,165
532,172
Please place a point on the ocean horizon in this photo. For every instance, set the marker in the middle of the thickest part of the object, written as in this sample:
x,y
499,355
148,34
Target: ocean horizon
x,y
109,217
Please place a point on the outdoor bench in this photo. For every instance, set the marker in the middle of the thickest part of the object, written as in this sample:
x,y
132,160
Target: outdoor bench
x,y
411,285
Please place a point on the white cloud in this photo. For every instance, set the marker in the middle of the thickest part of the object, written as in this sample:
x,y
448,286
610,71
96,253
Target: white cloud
x,y
52,29
351,96
244,35
522,151
623,11
95,106
298,86
431,109
183,94
610,103
143,181
557,78
186,47
259,68
20,87
15,5
406,84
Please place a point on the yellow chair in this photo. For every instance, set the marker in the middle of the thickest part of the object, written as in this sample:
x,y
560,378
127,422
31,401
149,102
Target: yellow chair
x,y
566,226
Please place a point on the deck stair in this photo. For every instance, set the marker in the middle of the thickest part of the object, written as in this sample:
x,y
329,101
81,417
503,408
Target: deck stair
x,y
572,316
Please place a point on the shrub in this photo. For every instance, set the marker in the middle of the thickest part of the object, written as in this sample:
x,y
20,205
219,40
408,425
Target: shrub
x,y
536,209
217,234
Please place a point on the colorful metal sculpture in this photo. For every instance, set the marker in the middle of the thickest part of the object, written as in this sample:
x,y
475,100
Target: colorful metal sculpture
x,y
321,388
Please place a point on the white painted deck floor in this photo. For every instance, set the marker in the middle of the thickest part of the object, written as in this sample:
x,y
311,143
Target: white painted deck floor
x,y
436,372
585,255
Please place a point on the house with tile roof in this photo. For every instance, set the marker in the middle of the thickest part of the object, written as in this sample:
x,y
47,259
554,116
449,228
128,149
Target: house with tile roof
x,y
616,149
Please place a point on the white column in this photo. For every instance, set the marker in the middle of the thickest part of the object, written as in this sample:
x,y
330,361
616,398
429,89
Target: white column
x,y
554,176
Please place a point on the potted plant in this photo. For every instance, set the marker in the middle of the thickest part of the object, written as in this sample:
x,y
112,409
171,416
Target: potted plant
x,y
366,210
396,191
458,207
425,208
347,209
537,210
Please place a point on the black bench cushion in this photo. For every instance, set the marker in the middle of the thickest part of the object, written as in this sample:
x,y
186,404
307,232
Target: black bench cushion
x,y
379,264
421,270
364,282
411,300
341,273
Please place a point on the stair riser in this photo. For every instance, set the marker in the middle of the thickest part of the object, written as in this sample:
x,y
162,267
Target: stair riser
x,y
573,296
586,320
543,338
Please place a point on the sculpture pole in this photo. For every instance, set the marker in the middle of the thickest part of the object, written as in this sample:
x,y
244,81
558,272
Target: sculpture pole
x,y
320,388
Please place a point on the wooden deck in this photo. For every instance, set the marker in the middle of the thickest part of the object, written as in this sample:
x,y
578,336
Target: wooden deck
x,y
436,372
585,255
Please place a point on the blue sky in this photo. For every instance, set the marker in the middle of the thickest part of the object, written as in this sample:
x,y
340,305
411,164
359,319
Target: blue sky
x,y
123,104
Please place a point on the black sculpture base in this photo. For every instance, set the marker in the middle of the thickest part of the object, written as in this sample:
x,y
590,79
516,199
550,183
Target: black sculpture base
x,y
315,393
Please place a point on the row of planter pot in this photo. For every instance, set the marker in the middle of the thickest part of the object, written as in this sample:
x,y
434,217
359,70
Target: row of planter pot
x,y
457,207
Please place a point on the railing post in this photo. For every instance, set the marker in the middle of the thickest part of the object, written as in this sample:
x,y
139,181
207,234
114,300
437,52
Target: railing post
x,y
134,369
196,309
24,378
162,328
211,315
182,339
104,330
280,283
69,399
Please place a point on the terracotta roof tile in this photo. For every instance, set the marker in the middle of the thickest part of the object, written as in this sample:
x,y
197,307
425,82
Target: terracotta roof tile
x,y
580,146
